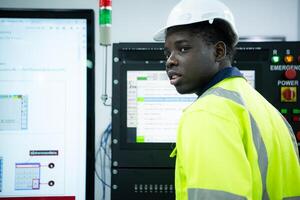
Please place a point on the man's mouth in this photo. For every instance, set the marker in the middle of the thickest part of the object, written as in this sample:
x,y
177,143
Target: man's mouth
x,y
174,77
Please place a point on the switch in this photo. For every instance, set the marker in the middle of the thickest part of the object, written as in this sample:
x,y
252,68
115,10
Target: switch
x,y
288,59
290,74
288,94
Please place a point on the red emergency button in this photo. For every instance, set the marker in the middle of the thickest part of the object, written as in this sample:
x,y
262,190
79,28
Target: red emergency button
x,y
298,135
290,74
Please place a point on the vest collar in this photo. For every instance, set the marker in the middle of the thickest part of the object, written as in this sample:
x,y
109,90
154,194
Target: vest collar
x,y
224,73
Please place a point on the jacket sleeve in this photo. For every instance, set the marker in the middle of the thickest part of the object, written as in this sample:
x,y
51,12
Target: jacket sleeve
x,y
212,157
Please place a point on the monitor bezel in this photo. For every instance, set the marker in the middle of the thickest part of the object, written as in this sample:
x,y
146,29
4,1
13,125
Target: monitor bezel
x,y
88,15
123,108
134,154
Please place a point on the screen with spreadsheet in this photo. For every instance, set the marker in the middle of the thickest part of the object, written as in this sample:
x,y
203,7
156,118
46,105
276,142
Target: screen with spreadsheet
x,y
154,107
43,101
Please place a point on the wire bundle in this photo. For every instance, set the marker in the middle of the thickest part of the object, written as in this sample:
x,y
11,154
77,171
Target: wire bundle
x,y
103,154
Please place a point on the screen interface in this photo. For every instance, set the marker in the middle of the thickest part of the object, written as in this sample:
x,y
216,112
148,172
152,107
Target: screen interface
x,y
154,107
42,106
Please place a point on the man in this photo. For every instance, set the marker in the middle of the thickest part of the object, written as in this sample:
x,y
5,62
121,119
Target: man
x,y
231,143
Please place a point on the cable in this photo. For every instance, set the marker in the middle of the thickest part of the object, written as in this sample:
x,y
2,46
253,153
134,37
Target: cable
x,y
104,96
104,154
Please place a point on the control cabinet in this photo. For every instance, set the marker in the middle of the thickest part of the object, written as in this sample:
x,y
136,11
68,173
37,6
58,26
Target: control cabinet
x,y
143,169
277,68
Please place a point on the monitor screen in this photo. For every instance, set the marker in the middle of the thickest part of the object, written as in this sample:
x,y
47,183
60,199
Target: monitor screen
x,y
43,105
146,107
154,107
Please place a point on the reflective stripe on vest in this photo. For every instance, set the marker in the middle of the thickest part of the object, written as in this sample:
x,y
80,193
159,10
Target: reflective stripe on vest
x,y
291,198
256,136
205,194
292,136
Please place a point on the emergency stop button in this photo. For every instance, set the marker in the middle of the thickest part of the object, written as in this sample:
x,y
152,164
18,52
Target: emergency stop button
x,y
290,74
288,94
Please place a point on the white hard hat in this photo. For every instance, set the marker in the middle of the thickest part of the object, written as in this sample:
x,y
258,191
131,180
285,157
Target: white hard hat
x,y
193,11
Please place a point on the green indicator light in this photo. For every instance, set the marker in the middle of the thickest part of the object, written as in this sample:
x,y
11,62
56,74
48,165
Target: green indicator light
x,y
296,111
283,110
275,59
140,139
104,16
142,78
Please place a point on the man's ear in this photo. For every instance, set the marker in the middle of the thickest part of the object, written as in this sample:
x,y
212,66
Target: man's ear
x,y
220,51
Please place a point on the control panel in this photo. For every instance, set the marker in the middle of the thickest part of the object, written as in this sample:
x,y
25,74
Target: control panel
x,y
144,170
277,73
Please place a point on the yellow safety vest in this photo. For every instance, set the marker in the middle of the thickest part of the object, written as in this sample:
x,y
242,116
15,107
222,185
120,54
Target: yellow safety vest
x,y
233,144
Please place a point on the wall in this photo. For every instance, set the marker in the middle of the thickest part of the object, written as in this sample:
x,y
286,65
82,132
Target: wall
x,y
137,20
252,18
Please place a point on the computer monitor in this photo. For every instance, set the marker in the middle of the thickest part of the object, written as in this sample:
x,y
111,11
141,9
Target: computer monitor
x,y
154,107
146,107
46,103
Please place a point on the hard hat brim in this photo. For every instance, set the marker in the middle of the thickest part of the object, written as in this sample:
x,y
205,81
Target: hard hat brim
x,y
160,35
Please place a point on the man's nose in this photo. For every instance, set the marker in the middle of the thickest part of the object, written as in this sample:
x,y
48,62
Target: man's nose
x,y
171,61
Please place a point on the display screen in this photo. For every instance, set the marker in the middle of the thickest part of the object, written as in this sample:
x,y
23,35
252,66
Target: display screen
x,y
43,94
154,107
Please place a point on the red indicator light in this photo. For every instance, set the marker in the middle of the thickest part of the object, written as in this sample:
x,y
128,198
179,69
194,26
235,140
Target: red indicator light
x,y
296,118
105,3
298,135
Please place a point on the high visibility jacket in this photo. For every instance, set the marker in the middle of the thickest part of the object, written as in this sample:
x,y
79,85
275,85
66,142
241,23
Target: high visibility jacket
x,y
233,144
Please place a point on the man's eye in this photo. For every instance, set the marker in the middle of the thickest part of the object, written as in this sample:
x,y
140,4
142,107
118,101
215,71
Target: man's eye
x,y
183,49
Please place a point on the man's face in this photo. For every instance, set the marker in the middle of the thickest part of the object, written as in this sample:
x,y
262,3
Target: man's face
x,y
190,61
